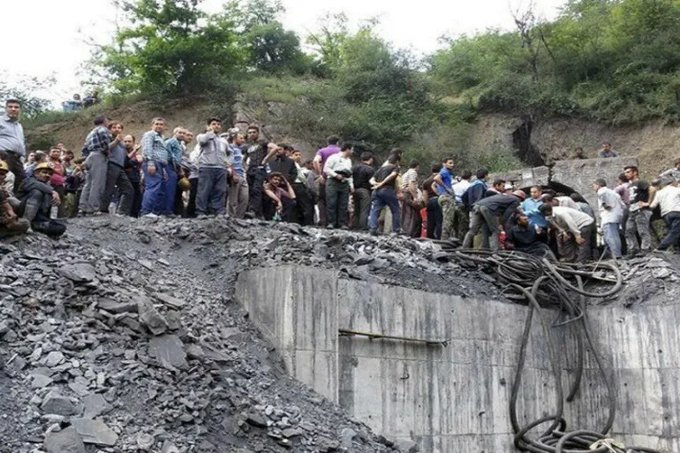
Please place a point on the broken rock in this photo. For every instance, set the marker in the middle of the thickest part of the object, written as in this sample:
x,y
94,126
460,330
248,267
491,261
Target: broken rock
x,y
79,272
169,351
54,403
95,405
95,432
65,441
150,317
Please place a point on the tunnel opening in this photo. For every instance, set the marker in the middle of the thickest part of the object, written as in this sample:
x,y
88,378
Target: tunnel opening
x,y
521,141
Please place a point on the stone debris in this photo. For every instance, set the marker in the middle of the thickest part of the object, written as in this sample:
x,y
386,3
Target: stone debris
x,y
54,403
138,346
65,441
169,351
95,432
133,347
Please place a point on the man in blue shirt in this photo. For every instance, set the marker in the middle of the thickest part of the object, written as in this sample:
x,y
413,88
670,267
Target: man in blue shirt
x,y
443,185
156,158
175,151
531,206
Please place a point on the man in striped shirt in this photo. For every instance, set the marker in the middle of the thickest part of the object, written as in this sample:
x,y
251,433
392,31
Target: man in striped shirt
x,y
156,158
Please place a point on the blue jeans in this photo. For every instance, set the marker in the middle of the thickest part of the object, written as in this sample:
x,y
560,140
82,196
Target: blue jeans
x,y
672,219
170,190
153,201
211,194
612,239
381,198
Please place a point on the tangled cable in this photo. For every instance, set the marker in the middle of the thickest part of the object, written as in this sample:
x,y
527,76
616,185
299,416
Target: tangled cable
x,y
543,283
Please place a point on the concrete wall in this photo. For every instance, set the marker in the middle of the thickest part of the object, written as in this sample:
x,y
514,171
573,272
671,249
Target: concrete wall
x,y
577,175
455,398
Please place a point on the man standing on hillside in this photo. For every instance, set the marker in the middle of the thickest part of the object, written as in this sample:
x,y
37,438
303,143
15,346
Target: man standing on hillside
x,y
339,186
362,174
256,150
319,163
156,158
640,193
607,151
116,175
211,194
12,144
303,197
611,209
443,183
175,147
96,150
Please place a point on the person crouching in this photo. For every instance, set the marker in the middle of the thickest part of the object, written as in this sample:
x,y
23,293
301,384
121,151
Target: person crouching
x,y
37,198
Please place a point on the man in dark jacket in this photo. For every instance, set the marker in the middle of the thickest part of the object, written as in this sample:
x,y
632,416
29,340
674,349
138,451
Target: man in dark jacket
x,y
37,199
487,211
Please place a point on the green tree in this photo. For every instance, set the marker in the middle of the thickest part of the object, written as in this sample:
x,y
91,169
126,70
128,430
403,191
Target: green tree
x,y
25,89
172,47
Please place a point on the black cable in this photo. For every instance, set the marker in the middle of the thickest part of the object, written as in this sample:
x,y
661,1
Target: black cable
x,y
542,283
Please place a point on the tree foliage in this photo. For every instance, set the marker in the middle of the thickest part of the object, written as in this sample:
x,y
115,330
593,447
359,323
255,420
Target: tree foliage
x,y
171,47
26,90
612,60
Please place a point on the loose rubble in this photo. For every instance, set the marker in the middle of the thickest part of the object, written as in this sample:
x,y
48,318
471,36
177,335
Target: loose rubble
x,y
122,336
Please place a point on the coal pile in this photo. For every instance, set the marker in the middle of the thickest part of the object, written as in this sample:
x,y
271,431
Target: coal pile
x,y
122,336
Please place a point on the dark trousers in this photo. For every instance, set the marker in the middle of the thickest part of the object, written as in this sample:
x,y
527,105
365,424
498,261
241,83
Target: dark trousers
x,y
362,208
380,198
337,201
321,202
35,208
434,218
136,199
211,194
304,205
170,190
672,220
116,177
256,177
15,166
191,204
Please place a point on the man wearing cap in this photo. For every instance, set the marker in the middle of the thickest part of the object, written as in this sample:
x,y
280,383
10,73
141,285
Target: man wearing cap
x,y
10,224
487,211
12,143
37,199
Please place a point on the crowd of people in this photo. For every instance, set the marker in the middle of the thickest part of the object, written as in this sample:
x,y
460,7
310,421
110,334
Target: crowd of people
x,y
243,175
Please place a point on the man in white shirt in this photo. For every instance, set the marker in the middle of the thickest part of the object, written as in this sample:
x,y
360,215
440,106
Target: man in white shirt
x,y
668,199
574,229
456,221
339,185
611,208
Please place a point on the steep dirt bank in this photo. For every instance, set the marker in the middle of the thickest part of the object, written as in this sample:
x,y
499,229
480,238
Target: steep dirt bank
x,y
534,141
654,144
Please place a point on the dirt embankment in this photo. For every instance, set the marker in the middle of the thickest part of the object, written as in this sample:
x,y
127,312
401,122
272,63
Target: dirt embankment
x,y
535,141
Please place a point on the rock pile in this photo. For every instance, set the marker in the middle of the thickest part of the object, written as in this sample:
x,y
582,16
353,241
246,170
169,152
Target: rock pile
x,y
122,336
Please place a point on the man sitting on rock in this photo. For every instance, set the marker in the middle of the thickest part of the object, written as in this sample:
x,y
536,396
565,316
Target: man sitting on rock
x,y
37,198
10,224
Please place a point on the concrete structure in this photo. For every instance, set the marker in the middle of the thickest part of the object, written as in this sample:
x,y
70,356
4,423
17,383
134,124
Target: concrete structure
x,y
571,175
455,398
